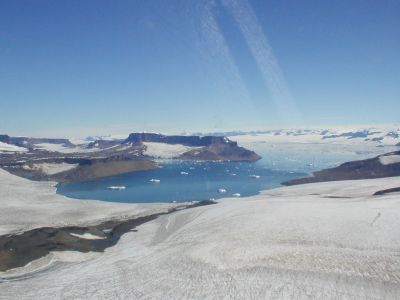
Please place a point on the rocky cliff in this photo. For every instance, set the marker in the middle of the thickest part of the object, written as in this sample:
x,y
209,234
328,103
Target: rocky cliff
x,y
194,141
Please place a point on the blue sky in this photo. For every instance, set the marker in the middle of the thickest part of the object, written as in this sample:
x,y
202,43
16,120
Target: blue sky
x,y
82,67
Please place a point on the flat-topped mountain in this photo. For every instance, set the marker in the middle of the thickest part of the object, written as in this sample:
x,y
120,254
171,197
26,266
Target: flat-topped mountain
x,y
192,140
192,147
386,165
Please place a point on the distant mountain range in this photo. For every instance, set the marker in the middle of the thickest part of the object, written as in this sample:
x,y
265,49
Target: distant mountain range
x,y
61,160
393,132
369,136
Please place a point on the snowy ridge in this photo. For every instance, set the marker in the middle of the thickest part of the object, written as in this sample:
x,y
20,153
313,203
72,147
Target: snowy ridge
x,y
51,168
4,147
389,159
63,149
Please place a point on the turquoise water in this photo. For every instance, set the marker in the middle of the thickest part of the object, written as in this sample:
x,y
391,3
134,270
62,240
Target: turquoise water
x,y
203,179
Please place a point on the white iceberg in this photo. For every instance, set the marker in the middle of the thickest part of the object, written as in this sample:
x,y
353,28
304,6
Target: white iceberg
x,y
116,187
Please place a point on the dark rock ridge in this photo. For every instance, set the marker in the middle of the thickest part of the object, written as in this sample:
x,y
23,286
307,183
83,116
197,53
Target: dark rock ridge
x,y
86,168
221,151
4,138
360,169
387,191
194,141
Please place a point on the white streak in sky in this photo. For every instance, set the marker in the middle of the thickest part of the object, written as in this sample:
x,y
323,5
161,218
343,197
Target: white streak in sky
x,y
263,54
219,50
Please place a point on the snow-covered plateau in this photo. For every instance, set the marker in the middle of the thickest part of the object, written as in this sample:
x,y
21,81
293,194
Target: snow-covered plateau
x,y
389,159
7,148
315,241
50,168
165,151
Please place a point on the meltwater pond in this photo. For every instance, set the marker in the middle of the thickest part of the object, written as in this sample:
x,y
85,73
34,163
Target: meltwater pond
x,y
181,181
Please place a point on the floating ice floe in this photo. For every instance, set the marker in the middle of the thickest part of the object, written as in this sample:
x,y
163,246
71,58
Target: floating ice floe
x,y
184,173
155,180
255,176
236,195
221,191
116,187
232,174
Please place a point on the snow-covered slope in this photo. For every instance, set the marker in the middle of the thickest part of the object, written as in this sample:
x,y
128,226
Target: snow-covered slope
x,y
163,150
50,168
301,242
63,149
8,148
26,204
389,159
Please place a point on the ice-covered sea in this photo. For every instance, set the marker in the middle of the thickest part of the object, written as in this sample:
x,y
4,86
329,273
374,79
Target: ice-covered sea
x,y
194,181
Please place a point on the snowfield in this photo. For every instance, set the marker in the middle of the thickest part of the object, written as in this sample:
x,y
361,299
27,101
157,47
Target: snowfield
x,y
299,242
389,159
26,204
51,168
165,151
63,149
4,147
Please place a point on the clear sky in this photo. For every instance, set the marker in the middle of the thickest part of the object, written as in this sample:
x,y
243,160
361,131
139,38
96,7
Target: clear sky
x,y
79,67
